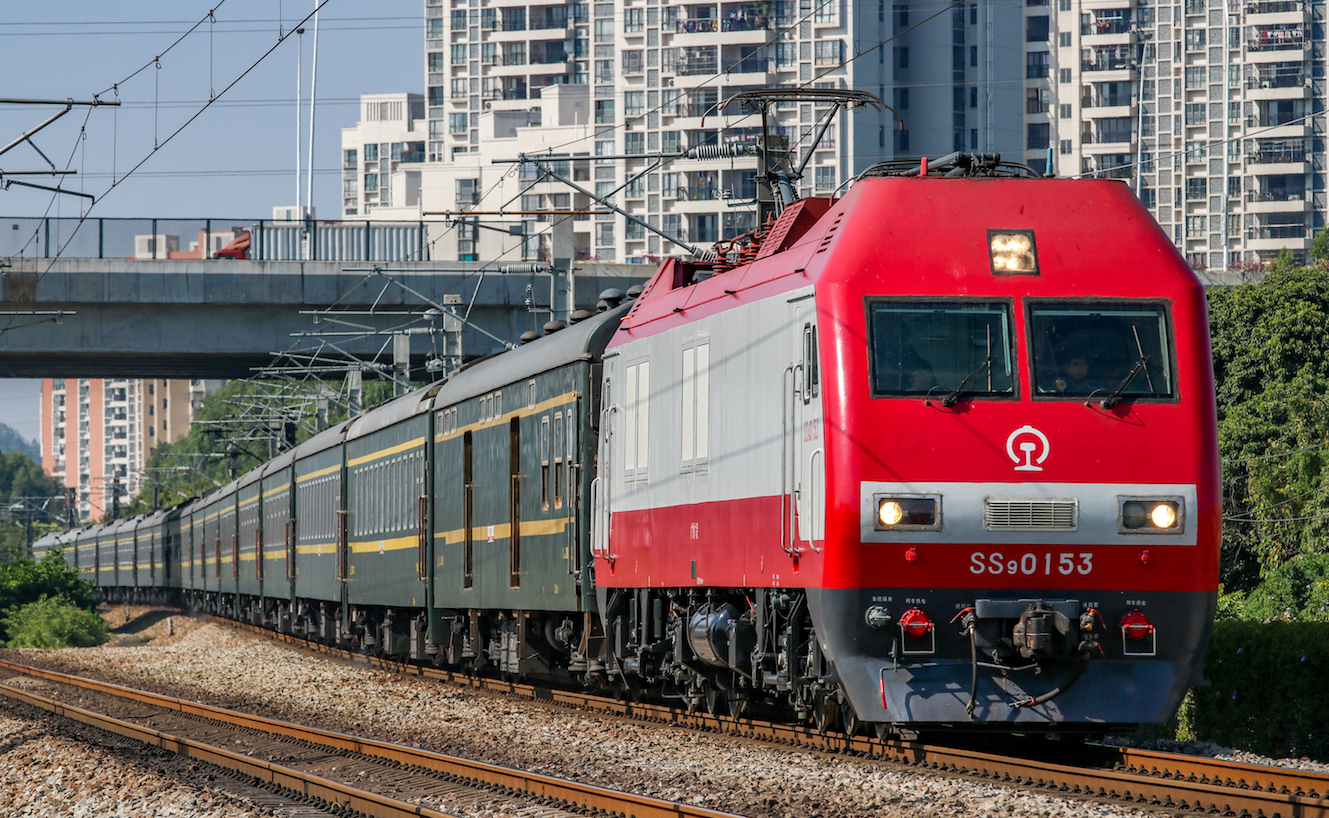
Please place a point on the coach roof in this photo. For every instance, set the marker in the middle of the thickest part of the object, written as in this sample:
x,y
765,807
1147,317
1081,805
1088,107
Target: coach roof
x,y
582,341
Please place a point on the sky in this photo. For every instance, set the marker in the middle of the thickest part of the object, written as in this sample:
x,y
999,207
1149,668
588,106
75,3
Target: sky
x,y
237,158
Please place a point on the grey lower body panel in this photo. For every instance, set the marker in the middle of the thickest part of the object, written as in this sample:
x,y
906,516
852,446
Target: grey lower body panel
x,y
891,677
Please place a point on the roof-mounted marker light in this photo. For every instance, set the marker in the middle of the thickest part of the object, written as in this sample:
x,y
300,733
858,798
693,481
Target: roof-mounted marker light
x,y
1013,252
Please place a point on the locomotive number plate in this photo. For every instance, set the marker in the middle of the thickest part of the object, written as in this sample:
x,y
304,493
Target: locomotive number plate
x,y
1065,564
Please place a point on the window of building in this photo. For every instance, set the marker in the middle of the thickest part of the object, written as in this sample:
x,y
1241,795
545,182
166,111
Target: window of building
x,y
828,52
825,179
634,103
371,183
458,54
371,152
1036,29
604,111
1038,136
457,123
1036,65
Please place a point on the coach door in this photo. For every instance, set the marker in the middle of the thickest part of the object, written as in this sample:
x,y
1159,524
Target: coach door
x,y
802,476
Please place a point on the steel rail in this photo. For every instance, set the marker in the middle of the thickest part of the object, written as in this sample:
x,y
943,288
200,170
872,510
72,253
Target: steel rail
x,y
1144,777
532,784
309,786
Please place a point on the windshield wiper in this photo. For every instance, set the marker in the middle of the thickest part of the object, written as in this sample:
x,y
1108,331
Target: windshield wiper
x,y
1114,397
954,397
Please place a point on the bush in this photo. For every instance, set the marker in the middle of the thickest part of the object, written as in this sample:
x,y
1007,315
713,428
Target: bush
x,y
24,581
53,623
1296,591
1267,691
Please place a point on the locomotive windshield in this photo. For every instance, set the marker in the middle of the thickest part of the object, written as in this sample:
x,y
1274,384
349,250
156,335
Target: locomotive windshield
x,y
941,348
1100,349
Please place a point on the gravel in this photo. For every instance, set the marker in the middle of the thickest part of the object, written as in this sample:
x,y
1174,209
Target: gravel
x,y
44,773
219,666
1208,749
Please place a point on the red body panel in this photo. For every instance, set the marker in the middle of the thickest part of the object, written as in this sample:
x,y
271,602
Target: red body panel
x,y
928,237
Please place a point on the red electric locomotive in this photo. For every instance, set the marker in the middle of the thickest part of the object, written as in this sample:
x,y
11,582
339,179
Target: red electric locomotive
x,y
939,453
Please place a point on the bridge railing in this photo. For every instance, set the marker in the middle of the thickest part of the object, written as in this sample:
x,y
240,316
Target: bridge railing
x,y
255,239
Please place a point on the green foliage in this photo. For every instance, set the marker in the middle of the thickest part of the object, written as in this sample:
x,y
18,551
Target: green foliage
x,y
1296,591
1320,246
1271,366
50,622
1231,605
24,581
1267,691
1283,262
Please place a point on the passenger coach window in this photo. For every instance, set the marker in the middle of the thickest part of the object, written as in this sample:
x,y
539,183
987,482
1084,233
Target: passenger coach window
x,y
940,348
1100,349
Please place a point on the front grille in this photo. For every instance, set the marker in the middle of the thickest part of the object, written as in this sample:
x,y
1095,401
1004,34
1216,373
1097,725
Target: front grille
x,y
1030,514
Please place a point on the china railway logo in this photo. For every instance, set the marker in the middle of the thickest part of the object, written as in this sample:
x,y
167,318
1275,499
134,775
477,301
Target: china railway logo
x,y
1028,440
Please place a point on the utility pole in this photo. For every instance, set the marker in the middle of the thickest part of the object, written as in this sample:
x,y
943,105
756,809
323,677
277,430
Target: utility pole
x,y
115,499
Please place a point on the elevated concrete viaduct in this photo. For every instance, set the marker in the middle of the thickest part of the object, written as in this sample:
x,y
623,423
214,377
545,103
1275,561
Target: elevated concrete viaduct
x,y
220,318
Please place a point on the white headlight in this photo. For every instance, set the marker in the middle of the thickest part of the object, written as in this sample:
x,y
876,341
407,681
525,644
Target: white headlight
x,y
1163,515
890,512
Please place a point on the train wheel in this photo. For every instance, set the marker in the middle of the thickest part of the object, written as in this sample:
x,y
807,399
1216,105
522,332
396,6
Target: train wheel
x,y
849,719
823,713
736,702
715,701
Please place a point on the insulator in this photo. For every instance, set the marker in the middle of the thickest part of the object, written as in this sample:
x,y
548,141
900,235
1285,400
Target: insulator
x,y
712,151
524,268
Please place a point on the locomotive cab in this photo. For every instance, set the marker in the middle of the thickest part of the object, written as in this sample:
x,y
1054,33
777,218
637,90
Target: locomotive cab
x,y
1023,517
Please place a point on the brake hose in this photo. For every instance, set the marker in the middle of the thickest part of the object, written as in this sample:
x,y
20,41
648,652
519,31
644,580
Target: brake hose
x,y
1034,701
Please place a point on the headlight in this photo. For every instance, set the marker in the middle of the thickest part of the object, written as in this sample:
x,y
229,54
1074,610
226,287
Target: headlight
x,y
906,513
890,512
1012,252
1151,515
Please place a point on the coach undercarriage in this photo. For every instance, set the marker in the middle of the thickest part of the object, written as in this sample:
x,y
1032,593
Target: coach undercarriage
x,y
733,651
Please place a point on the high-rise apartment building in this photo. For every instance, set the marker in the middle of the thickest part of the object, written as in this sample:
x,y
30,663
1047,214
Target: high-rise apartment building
x,y
1219,103
97,433
649,77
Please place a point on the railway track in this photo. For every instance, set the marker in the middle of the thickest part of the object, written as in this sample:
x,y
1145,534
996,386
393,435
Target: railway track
x,y
1142,778
339,772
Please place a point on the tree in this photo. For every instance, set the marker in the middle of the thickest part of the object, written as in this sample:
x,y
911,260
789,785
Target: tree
x,y
1320,246
1283,262
1271,366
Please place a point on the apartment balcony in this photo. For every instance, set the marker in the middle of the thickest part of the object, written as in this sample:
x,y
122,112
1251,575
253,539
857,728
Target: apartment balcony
x,y
1277,202
1106,26
1109,142
1276,152
1270,128
1273,12
1278,236
1279,40
1269,89
745,70
1102,60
